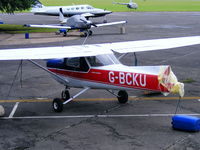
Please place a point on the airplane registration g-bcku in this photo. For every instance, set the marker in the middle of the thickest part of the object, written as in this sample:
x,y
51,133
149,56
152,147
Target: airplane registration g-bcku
x,y
96,67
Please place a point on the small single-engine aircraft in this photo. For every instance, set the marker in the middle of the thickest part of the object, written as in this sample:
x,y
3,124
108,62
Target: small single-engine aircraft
x,y
68,11
130,5
76,22
96,67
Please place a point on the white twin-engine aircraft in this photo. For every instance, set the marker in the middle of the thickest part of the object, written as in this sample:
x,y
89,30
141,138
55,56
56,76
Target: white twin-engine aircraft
x,y
68,11
96,67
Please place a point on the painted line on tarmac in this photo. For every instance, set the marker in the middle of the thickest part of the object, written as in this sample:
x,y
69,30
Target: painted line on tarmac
x,y
14,110
97,116
102,99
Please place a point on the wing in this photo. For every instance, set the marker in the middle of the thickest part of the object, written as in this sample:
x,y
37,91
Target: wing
x,y
110,24
48,26
52,52
97,49
151,45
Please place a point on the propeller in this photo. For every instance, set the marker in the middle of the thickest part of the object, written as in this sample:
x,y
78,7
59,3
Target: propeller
x,y
89,23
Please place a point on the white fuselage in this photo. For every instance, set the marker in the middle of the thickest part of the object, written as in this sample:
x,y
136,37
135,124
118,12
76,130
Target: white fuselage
x,y
70,10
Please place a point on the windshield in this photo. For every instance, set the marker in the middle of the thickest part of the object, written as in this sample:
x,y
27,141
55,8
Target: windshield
x,y
102,60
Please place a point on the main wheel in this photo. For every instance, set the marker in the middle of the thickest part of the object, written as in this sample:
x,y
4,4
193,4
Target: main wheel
x,y
122,97
90,32
57,105
65,95
85,33
65,34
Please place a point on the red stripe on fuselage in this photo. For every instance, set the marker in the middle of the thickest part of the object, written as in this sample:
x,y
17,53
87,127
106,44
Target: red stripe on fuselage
x,y
116,78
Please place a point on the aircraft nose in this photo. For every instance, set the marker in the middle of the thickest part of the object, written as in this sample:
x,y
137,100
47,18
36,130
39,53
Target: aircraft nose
x,y
107,11
89,22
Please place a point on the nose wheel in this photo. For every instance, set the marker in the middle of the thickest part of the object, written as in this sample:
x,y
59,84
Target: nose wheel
x,y
86,33
58,102
65,95
65,98
57,105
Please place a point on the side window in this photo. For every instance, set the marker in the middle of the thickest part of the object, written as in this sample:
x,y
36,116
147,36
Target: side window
x,y
76,64
73,62
93,61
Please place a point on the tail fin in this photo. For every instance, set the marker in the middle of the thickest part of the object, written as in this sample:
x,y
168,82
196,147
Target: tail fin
x,y
38,4
62,19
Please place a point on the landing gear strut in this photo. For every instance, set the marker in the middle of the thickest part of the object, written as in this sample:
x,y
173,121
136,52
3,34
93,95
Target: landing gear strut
x,y
59,102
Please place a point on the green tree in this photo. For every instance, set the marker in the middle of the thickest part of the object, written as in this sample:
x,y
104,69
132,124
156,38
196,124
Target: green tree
x,y
9,6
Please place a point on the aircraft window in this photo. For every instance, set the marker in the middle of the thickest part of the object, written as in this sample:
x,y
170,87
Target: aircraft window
x,y
94,61
77,8
68,9
102,60
89,7
73,62
72,8
76,64
82,7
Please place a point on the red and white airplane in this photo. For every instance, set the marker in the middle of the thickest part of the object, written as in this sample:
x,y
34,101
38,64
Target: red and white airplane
x,y
96,67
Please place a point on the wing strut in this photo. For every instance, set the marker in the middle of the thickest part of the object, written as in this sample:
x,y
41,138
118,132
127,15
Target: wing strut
x,y
45,69
18,69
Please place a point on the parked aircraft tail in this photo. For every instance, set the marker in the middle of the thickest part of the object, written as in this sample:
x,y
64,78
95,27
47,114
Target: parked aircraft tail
x,y
62,19
38,4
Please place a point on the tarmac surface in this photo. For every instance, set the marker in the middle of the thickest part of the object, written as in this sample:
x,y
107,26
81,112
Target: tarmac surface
x,y
95,120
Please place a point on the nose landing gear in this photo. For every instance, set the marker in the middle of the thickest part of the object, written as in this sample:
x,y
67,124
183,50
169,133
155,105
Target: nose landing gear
x,y
59,102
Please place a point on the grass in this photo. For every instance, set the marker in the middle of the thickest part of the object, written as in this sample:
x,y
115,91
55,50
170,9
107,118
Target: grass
x,y
13,29
144,5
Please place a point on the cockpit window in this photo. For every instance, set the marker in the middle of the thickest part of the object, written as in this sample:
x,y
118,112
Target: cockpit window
x,y
94,61
102,60
76,64
73,62
89,7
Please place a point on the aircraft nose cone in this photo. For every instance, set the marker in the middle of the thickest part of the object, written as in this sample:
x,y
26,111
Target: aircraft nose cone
x,y
89,22
107,11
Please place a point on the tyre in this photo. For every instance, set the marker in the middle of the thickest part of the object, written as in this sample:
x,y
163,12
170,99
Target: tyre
x,y
65,95
85,33
57,105
90,32
122,97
